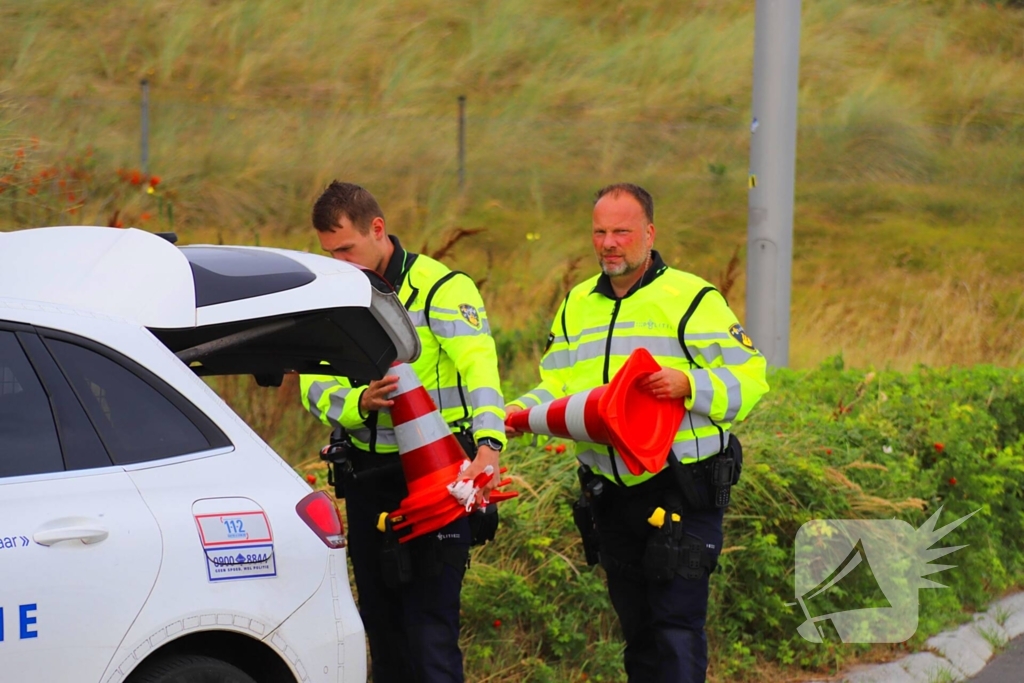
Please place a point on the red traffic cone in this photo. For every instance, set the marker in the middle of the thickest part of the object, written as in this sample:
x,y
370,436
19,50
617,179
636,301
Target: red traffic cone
x,y
620,414
431,459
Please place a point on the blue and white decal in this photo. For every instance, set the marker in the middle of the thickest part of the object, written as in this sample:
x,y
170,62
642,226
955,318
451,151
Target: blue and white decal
x,y
237,545
26,622
240,562
16,541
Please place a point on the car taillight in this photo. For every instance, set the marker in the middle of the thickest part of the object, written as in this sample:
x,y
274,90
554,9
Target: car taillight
x,y
319,512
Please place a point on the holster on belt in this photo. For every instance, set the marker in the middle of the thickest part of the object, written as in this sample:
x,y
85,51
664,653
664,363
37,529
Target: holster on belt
x,y
591,488
671,551
707,484
395,559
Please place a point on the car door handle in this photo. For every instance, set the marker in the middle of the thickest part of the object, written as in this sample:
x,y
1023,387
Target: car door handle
x,y
86,533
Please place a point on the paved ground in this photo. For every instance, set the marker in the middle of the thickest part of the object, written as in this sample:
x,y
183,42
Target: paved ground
x,y
963,654
1005,667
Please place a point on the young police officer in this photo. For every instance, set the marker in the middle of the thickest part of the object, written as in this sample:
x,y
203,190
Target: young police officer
x,y
659,534
411,616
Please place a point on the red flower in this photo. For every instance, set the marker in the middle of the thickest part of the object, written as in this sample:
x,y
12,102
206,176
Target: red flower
x,y
135,178
118,224
560,448
311,478
497,623
939,447
154,180
145,216
828,451
548,448
20,153
952,481
33,190
71,197
73,210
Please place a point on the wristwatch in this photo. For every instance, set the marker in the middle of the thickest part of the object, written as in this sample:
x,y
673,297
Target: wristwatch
x,y
491,443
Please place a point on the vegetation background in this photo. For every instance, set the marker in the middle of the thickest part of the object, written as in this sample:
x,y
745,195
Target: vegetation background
x,y
907,246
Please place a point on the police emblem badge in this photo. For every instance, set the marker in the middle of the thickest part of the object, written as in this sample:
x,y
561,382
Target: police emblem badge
x,y
470,314
739,334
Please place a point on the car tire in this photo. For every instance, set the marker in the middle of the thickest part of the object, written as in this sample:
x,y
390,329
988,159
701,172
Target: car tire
x,y
191,669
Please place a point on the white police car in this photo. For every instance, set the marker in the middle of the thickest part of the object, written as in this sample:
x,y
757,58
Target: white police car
x,y
146,533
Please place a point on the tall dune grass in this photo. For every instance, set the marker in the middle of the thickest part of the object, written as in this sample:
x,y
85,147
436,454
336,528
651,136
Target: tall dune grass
x,y
909,155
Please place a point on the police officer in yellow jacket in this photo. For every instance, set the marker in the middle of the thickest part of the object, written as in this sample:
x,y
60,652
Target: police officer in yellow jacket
x,y
410,605
659,535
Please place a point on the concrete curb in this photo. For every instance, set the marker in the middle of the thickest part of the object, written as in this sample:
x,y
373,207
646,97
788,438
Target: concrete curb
x,y
954,655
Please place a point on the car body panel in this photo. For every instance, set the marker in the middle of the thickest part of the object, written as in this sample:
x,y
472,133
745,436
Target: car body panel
x,y
59,618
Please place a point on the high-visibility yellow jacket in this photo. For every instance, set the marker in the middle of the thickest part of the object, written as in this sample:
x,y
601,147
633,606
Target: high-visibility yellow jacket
x,y
686,324
458,363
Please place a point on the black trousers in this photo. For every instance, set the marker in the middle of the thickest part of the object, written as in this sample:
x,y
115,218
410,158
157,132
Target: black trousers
x,y
413,629
662,621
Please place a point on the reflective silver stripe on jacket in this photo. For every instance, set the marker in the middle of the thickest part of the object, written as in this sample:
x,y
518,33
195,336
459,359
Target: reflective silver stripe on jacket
x,y
731,355
703,391
620,346
684,451
704,447
336,401
457,328
486,397
624,325
487,420
385,436
601,461
536,397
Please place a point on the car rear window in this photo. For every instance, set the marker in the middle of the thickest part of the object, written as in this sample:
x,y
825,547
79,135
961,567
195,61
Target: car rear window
x,y
28,435
136,421
223,274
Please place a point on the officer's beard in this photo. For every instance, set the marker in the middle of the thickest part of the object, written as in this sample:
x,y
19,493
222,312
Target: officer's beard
x,y
624,267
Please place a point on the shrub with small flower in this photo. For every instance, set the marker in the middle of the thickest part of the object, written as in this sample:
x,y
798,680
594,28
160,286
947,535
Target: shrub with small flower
x,y
42,186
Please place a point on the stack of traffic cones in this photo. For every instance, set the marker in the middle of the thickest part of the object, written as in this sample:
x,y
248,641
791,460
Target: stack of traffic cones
x,y
620,414
432,460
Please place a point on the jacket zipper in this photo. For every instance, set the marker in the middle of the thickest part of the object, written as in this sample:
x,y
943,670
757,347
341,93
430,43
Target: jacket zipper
x,y
607,361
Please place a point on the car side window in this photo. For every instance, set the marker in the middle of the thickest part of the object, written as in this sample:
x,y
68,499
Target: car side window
x,y
28,435
136,421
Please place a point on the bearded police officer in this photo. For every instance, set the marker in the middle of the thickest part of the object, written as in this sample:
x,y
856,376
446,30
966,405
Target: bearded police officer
x,y
658,535
408,593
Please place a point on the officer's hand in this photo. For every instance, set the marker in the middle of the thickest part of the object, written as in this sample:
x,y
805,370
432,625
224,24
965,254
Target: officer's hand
x,y
509,432
485,455
375,395
667,384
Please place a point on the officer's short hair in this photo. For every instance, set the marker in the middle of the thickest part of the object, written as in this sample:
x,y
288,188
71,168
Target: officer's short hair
x,y
635,191
345,199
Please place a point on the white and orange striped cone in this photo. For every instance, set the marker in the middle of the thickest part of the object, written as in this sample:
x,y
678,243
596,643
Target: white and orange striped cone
x,y
432,460
620,414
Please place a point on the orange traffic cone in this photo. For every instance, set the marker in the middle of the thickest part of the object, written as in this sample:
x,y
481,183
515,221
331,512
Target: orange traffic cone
x,y
431,460
620,414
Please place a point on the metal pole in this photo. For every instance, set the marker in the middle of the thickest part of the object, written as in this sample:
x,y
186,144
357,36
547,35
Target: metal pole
x,y
145,126
772,176
462,142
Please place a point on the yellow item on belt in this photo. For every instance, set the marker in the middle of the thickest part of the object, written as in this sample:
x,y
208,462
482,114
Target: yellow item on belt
x,y
657,518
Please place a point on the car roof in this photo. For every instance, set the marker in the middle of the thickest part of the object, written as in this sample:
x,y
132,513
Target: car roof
x,y
224,309
143,277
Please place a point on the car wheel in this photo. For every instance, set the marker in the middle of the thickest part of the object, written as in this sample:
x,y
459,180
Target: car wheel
x,y
191,669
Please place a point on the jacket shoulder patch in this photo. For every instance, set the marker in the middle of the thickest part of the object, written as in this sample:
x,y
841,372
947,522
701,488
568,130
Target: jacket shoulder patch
x,y
470,314
739,334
